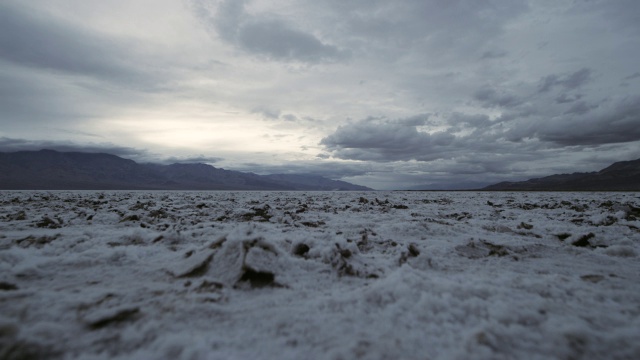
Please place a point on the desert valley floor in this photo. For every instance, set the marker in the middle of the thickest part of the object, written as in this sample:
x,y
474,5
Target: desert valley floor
x,y
319,275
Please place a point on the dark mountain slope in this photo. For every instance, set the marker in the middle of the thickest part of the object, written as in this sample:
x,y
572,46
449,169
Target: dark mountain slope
x,y
47,169
51,170
620,176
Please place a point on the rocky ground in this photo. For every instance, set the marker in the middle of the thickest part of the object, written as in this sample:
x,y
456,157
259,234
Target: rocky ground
x,y
326,275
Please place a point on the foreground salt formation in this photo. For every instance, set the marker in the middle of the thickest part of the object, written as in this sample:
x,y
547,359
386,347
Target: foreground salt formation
x,y
289,275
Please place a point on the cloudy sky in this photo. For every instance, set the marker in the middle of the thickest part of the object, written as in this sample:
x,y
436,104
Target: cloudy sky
x,y
389,94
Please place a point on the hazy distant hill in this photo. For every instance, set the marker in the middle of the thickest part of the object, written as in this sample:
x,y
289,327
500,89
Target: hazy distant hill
x,y
621,176
53,170
314,182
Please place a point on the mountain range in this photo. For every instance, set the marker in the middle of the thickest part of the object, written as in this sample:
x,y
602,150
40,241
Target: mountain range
x,y
620,176
53,170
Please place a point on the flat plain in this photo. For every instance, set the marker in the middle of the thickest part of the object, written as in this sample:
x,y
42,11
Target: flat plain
x,y
324,275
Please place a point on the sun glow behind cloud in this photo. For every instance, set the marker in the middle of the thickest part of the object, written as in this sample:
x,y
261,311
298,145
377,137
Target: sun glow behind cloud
x,y
215,131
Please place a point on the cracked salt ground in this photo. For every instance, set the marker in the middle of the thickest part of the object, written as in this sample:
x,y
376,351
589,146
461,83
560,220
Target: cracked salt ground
x,y
289,275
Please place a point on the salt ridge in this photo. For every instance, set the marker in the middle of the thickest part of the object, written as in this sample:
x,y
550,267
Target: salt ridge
x,y
289,275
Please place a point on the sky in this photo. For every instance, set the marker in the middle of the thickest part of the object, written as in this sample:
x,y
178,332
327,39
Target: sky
x,y
431,94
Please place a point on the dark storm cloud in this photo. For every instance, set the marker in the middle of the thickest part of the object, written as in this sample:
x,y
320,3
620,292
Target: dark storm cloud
x,y
581,124
568,82
612,122
385,141
272,38
32,40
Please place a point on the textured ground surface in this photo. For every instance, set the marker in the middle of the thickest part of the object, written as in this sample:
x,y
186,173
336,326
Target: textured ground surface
x,y
290,275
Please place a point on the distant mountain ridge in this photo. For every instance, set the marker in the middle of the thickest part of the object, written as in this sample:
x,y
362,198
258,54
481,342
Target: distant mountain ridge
x,y
620,176
53,170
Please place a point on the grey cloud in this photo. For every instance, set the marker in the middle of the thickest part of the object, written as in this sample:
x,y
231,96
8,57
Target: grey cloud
x,y
25,99
423,57
580,108
274,114
576,79
391,141
564,98
490,97
612,122
36,41
633,76
583,124
620,14
227,19
411,30
385,141
493,54
278,41
473,120
548,82
191,159
569,81
42,100
272,38
75,132
267,113
416,120
12,145
522,112
139,155
435,31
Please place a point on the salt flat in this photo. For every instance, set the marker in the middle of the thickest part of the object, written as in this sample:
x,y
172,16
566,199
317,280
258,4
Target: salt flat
x,y
320,275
